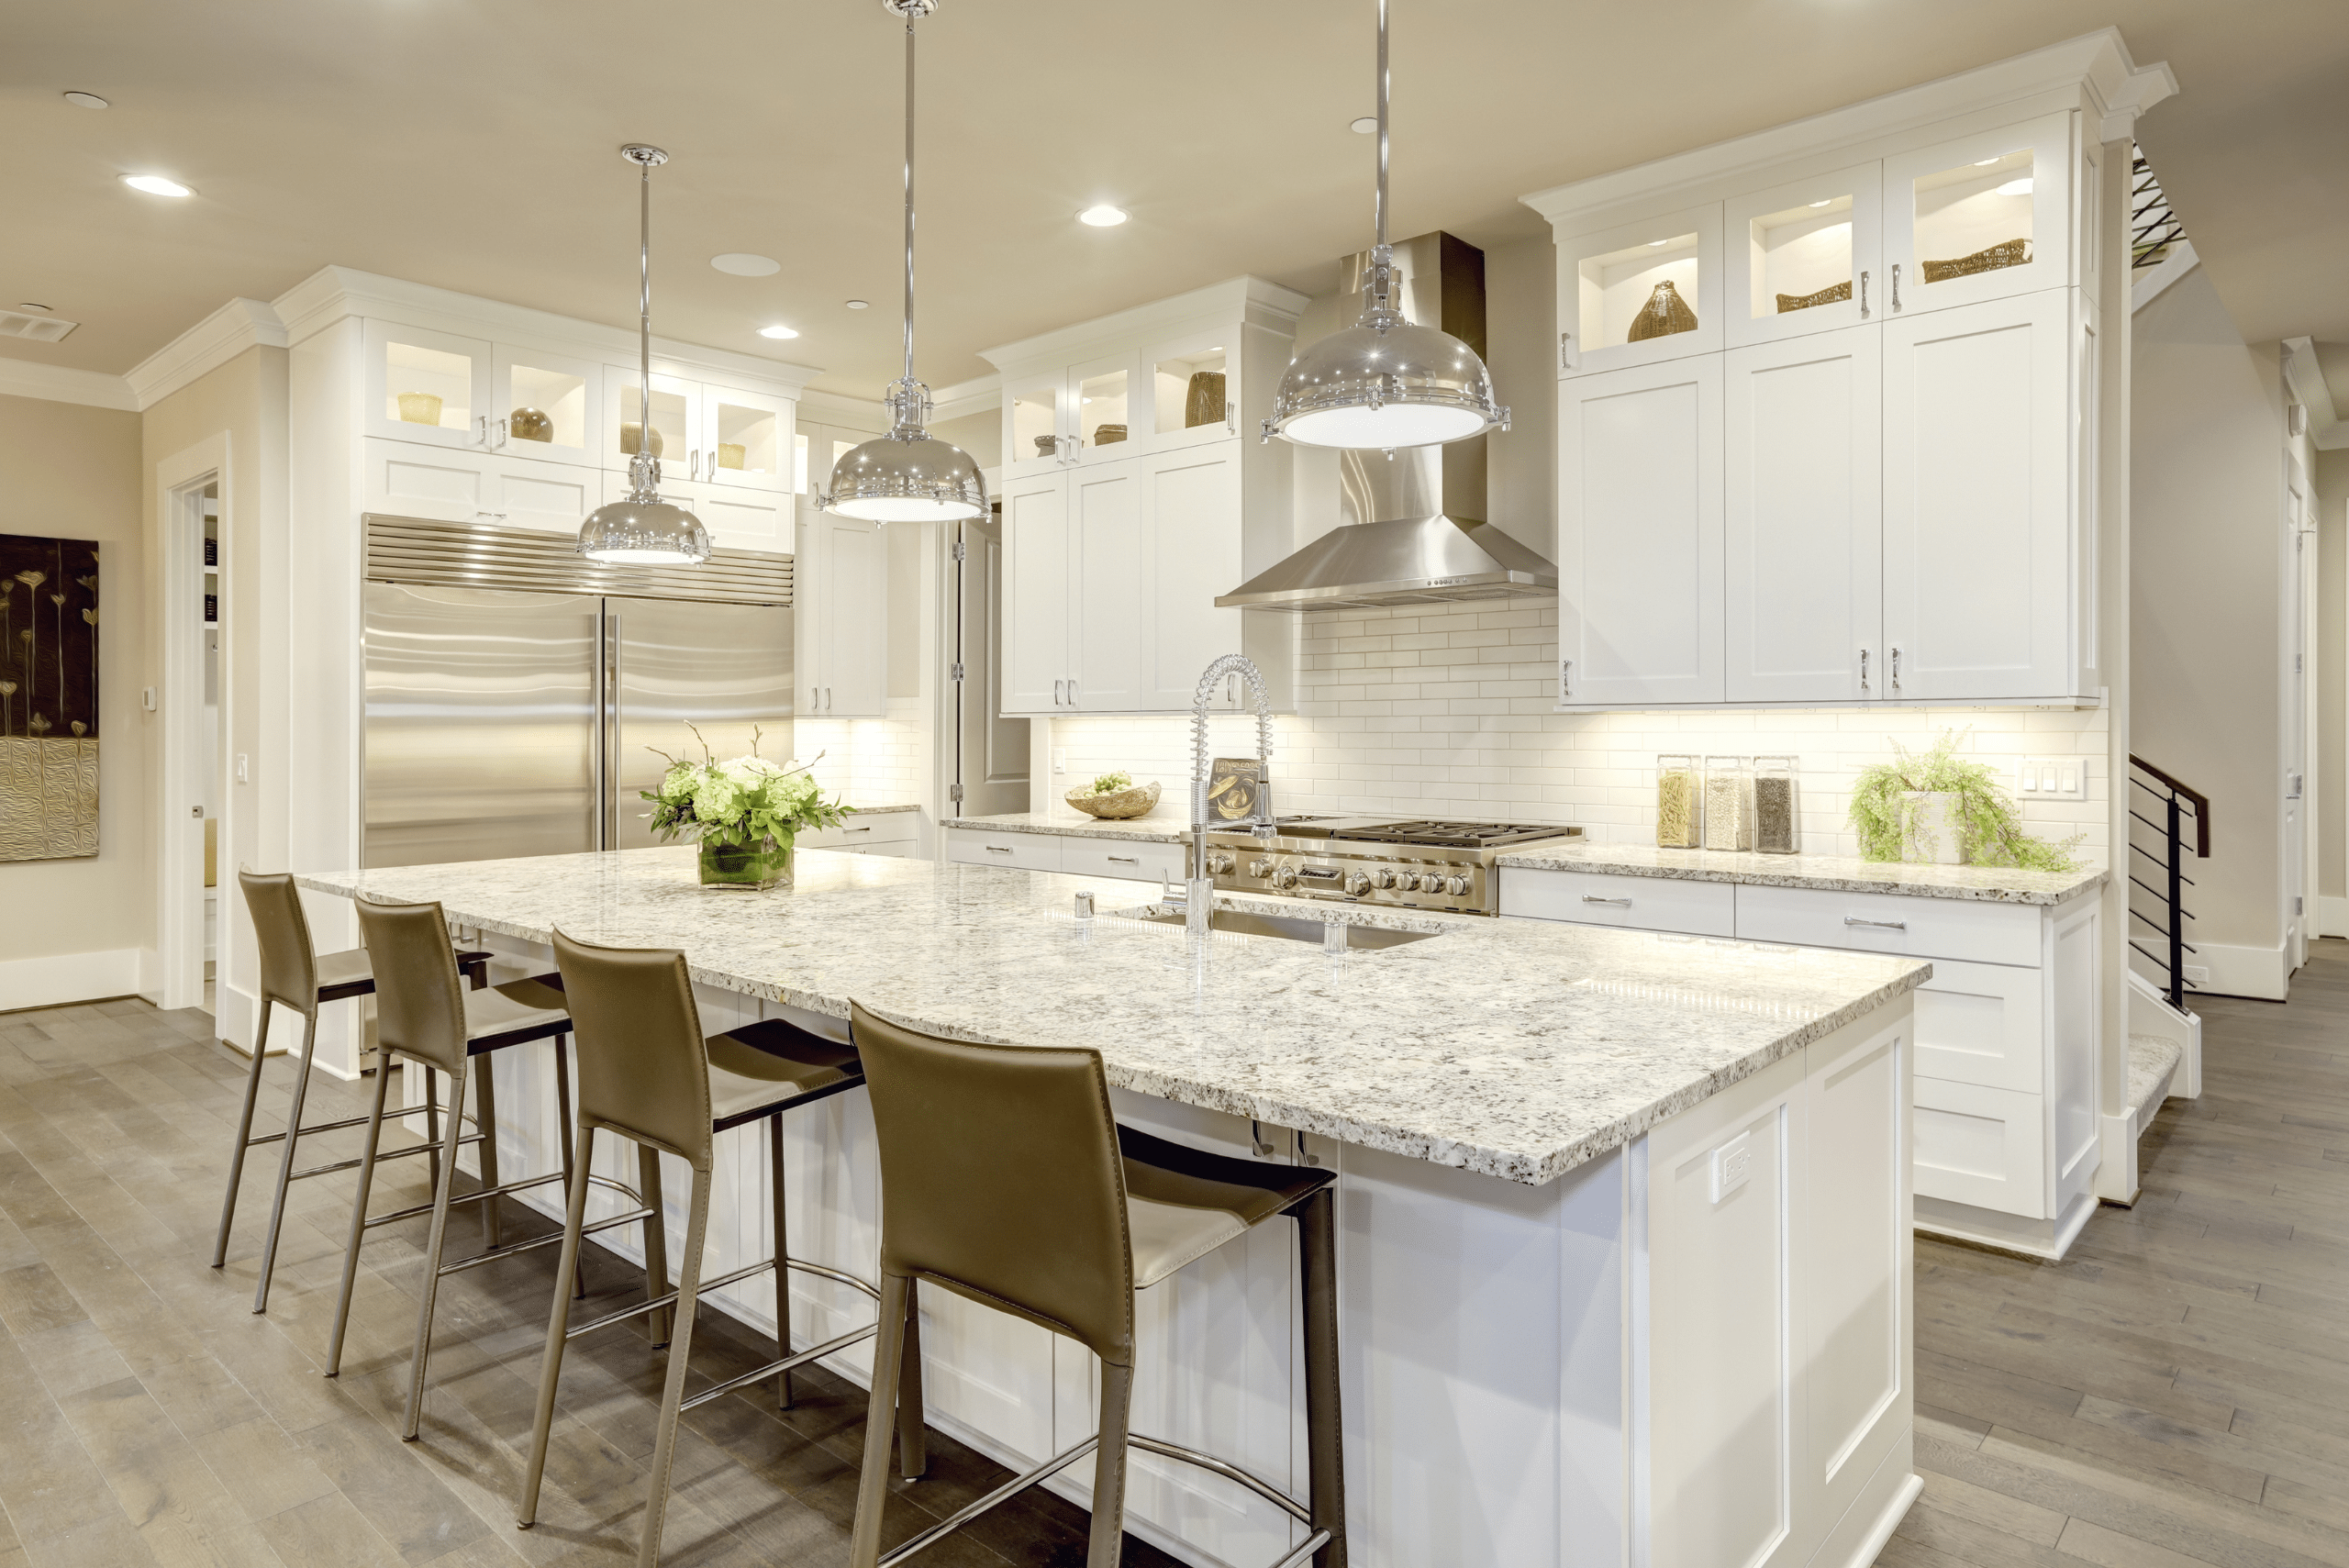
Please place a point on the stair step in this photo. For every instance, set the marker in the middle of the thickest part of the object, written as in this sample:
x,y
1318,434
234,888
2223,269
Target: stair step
x,y
2153,1065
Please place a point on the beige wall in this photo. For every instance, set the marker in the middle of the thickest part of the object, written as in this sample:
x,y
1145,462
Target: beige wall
x,y
244,400
71,471
981,435
2207,551
2332,741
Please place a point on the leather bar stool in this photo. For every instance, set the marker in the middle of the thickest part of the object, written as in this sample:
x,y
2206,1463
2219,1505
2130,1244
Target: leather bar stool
x,y
423,1015
1005,1179
646,1074
294,973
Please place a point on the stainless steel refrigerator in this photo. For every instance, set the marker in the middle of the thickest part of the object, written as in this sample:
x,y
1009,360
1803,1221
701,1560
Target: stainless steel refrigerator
x,y
516,695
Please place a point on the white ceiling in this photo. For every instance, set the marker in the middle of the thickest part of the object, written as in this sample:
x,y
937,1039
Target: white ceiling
x,y
474,147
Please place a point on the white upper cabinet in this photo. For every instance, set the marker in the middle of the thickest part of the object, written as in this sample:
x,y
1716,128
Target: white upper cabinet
x,y
1640,563
736,519
1804,256
406,480
1803,518
1980,216
702,432
1039,563
1038,433
1639,292
1979,536
425,387
1105,521
844,571
1190,552
1194,390
675,416
543,405
1101,395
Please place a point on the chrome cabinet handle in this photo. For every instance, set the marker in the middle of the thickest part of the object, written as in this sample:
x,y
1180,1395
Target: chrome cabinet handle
x,y
997,849
1619,903
1863,669
1059,688
1896,669
1072,691
1896,287
1124,861
1878,925
1565,351
827,699
1566,680
856,829
1864,295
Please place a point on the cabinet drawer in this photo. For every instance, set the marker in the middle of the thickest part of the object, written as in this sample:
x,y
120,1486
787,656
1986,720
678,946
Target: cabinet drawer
x,y
1636,903
1123,857
1980,1023
1027,852
1982,1146
864,832
1891,923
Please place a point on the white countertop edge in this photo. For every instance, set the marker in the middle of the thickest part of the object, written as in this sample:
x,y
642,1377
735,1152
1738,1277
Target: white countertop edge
x,y
878,810
1141,829
1828,874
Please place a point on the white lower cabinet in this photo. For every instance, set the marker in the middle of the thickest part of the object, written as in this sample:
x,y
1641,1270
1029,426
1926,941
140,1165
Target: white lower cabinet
x,y
1079,854
1640,563
2006,1034
867,833
1021,851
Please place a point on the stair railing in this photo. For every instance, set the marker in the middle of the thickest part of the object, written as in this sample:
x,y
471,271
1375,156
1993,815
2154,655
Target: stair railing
x,y
2182,810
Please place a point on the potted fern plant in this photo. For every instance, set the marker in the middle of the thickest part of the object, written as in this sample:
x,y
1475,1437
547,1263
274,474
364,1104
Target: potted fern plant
x,y
1934,806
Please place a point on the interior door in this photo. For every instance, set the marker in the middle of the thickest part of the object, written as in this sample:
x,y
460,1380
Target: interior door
x,y
480,733
2297,892
678,667
992,747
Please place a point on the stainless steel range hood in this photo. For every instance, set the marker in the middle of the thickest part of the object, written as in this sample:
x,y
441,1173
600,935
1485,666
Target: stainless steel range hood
x,y
1414,529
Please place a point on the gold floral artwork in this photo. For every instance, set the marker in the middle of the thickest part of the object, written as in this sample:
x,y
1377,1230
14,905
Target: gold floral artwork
x,y
49,698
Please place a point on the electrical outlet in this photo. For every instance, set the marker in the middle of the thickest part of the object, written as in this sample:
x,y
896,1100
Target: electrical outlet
x,y
2051,778
2196,973
1732,1163
1060,758
244,774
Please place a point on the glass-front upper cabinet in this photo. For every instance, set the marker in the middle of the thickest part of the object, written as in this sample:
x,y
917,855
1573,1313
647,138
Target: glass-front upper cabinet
x,y
1037,431
746,439
1985,216
677,420
1099,394
1194,389
427,386
1641,292
1804,256
544,406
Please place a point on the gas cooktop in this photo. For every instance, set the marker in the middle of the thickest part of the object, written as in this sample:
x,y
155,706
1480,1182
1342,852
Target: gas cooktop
x,y
1410,862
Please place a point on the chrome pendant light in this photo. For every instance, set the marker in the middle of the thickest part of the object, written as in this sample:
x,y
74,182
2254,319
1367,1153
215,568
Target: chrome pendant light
x,y
645,530
1384,383
907,476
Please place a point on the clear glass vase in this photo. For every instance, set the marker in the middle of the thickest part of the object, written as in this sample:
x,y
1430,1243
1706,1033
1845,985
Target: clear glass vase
x,y
752,867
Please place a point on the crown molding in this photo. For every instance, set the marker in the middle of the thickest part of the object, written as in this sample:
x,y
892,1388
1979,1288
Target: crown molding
x,y
1245,299
849,413
2326,428
56,384
332,294
203,348
980,395
2094,71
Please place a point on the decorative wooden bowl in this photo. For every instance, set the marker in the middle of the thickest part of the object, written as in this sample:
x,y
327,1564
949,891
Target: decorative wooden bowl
x,y
1134,802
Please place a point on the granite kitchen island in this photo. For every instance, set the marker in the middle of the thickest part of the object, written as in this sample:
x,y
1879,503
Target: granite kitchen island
x,y
1624,1244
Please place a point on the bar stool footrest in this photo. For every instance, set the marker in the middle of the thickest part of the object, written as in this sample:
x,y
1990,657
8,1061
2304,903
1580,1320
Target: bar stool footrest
x,y
774,1368
352,1164
1001,1495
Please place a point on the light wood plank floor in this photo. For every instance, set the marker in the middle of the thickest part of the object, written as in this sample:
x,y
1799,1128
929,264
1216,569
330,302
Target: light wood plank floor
x,y
2177,1390
147,1417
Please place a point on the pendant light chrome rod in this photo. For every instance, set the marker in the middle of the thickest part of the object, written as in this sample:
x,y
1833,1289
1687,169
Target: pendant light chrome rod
x,y
1382,125
645,294
909,193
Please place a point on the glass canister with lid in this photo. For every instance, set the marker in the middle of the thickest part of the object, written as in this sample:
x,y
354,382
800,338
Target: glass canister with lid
x,y
1679,802
1728,804
1775,804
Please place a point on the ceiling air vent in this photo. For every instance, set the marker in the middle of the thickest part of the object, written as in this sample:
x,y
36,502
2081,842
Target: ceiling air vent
x,y
35,328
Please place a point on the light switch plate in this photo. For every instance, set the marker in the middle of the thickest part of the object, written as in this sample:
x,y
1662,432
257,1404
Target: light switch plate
x,y
2051,778
1732,1162
1060,758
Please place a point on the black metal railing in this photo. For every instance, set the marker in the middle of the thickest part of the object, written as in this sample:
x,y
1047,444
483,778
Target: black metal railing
x,y
2152,227
2181,821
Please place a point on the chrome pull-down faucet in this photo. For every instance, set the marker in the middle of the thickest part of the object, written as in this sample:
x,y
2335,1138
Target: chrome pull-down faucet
x,y
1198,900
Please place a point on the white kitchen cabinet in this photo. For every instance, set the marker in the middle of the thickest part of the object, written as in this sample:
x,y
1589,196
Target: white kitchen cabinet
x,y
1783,247
843,593
428,387
1640,561
1980,529
1190,552
1039,552
1802,518
710,432
2010,187
1020,851
563,390
453,486
1105,525
891,833
1610,278
736,519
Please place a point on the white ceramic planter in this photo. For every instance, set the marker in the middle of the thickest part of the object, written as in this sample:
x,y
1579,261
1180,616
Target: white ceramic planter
x,y
1930,831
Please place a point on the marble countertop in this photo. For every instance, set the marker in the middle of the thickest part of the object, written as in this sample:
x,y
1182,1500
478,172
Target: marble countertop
x,y
872,810
1519,1049
1830,873
1152,829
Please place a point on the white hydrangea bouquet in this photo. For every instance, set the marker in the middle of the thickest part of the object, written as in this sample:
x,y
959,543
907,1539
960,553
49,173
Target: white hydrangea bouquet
x,y
746,812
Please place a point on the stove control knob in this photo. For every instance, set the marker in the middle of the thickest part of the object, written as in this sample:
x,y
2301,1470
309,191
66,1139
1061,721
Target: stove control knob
x,y
1405,882
1382,877
1284,877
1357,883
1259,868
1456,885
1220,864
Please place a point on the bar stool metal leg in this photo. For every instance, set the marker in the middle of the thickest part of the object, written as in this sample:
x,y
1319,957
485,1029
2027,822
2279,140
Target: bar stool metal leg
x,y
782,1259
244,1136
359,1216
432,1249
1107,1538
432,1127
880,1408
672,1391
565,1130
483,1074
285,1160
557,1332
913,1442
656,1239
1317,1236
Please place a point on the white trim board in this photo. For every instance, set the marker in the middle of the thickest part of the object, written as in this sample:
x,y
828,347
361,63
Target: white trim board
x,y
2331,914
2260,973
62,978
57,383
203,348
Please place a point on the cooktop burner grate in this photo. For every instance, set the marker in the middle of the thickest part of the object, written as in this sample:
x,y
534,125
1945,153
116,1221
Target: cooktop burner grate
x,y
1451,835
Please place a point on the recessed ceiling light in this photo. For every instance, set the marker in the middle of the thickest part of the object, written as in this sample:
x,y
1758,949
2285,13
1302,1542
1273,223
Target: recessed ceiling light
x,y
1102,217
2016,187
1365,126
745,264
85,100
156,186
778,330
859,304
29,304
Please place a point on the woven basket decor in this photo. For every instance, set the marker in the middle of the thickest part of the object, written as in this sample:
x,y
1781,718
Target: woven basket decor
x,y
1840,292
1665,313
2008,253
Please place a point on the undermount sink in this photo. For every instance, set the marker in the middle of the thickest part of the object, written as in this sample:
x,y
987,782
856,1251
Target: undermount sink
x,y
1295,929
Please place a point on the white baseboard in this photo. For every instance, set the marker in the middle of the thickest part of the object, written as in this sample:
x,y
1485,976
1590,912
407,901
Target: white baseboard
x,y
2261,974
63,978
2331,916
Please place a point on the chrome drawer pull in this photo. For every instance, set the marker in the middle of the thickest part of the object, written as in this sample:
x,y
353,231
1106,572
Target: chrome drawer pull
x,y
856,829
1589,898
1124,861
1879,925
997,849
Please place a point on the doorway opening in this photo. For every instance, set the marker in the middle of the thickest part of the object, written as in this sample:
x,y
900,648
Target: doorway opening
x,y
193,922
990,758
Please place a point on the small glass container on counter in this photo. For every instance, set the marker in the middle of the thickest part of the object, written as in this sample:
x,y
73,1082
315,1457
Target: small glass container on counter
x,y
1774,805
1728,804
1679,802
